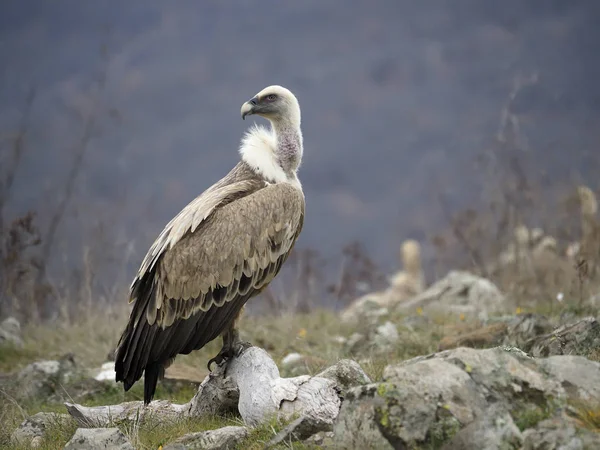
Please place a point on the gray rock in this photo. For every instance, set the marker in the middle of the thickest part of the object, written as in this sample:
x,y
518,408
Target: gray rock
x,y
357,425
292,360
524,327
366,308
579,338
346,373
426,401
220,439
98,439
377,338
300,429
459,292
105,373
416,322
10,332
356,342
386,336
578,375
42,378
559,433
35,426
323,439
495,430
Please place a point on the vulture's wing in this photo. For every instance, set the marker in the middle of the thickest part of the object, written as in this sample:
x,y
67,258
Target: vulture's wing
x,y
193,289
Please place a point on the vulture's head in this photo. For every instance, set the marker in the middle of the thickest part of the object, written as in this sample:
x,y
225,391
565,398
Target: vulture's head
x,y
274,103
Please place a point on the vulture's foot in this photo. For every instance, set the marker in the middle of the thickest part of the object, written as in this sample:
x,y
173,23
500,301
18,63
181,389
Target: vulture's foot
x,y
232,346
240,347
221,357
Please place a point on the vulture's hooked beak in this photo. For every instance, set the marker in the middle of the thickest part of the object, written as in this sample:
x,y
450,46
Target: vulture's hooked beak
x,y
248,107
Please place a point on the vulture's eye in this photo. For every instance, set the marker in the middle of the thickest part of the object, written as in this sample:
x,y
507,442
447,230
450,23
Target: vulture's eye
x,y
271,97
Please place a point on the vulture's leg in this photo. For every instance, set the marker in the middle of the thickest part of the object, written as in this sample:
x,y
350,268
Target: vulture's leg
x,y
232,344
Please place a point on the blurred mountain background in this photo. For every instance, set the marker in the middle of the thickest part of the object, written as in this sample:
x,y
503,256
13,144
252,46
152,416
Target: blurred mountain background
x,y
138,104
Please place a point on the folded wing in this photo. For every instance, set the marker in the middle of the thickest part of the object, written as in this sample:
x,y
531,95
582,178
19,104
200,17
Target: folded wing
x,y
189,289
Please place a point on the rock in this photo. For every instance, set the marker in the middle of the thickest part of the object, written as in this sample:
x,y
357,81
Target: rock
x,y
356,342
323,439
10,332
292,360
488,336
525,327
381,338
495,430
416,322
367,308
297,364
35,427
98,439
340,340
249,382
460,293
104,416
42,378
386,336
426,401
578,375
106,372
579,338
346,373
220,439
560,433
299,430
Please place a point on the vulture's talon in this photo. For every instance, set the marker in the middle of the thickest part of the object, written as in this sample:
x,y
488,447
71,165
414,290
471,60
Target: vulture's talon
x,y
218,360
211,361
240,347
236,350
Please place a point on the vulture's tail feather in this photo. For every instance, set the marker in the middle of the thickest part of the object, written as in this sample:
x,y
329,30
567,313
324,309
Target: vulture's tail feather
x,y
152,374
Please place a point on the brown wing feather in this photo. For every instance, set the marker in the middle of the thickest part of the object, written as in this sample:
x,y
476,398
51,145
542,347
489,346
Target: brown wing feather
x,y
199,285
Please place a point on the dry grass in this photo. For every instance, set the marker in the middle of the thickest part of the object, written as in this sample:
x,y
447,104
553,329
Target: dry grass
x,y
92,337
587,413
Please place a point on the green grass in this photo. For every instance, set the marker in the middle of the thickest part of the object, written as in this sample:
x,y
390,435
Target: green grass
x,y
529,417
12,358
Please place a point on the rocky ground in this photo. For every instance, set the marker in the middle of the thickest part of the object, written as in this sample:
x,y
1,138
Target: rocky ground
x,y
459,366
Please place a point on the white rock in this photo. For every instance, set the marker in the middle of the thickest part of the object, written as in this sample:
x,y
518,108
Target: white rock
x,y
10,332
219,439
34,427
98,439
107,372
386,336
249,382
460,292
346,373
42,378
292,360
341,340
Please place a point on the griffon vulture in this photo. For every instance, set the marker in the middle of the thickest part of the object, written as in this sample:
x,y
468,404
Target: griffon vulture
x,y
222,249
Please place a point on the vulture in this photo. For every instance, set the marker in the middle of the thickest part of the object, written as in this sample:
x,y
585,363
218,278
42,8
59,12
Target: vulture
x,y
223,248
